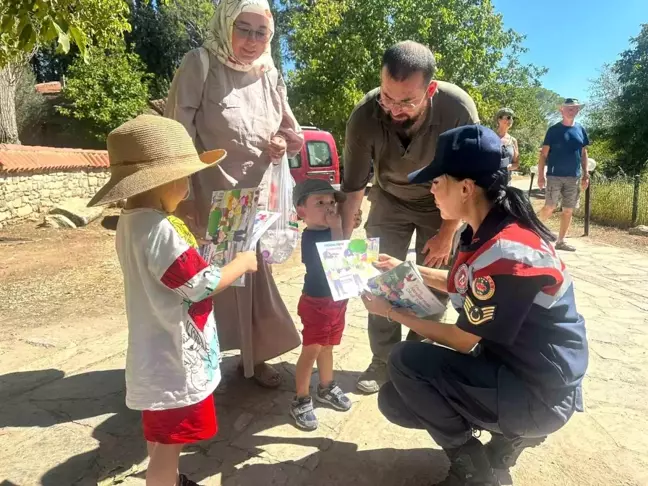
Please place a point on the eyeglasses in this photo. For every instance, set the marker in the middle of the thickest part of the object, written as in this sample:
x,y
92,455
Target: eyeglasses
x,y
505,117
389,104
256,35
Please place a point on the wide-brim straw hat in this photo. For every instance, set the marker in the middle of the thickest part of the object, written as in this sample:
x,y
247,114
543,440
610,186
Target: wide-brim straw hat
x,y
148,152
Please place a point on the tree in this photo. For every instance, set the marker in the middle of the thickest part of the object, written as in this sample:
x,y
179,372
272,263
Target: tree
x,y
535,108
629,131
618,109
106,91
49,64
599,118
337,46
600,111
31,106
27,24
163,33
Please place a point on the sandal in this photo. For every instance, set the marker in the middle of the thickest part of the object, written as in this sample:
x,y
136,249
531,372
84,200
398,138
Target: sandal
x,y
265,375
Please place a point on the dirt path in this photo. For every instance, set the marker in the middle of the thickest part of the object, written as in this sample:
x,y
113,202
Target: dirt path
x,y
63,420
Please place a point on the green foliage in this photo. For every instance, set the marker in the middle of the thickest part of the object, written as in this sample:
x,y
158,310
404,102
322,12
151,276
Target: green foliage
x,y
600,111
629,133
31,106
50,65
618,110
106,91
26,24
612,201
535,108
163,33
607,159
337,46
528,159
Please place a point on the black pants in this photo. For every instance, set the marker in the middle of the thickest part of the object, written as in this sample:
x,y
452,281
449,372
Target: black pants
x,y
440,390
449,394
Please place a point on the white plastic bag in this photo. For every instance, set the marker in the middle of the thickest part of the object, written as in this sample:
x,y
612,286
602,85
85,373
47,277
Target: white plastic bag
x,y
278,243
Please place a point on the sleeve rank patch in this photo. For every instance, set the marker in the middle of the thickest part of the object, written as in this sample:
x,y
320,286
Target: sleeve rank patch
x,y
478,315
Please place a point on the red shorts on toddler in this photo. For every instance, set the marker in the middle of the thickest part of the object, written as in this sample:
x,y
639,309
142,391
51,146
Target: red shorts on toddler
x,y
182,425
323,320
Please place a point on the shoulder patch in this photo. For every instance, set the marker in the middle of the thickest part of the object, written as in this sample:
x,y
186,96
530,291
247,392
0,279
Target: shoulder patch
x,y
478,315
483,288
461,279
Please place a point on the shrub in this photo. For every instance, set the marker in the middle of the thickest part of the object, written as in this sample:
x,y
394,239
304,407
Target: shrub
x,y
31,106
108,90
528,160
612,200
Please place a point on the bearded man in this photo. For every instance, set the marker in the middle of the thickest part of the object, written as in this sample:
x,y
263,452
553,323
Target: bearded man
x,y
396,127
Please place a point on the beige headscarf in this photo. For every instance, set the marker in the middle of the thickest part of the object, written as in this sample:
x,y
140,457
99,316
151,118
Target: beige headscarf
x,y
219,37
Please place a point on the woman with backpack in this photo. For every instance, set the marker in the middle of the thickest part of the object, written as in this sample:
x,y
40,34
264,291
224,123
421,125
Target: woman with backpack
x,y
228,94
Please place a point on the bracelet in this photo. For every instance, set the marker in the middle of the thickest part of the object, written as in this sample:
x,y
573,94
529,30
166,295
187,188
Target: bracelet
x,y
389,319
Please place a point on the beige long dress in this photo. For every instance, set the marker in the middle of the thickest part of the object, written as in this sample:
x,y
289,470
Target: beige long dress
x,y
239,112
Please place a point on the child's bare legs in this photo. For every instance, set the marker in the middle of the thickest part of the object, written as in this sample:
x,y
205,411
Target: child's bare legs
x,y
325,366
301,408
163,464
304,369
328,391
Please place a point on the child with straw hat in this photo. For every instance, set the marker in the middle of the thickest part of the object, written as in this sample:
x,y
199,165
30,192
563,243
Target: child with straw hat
x,y
172,362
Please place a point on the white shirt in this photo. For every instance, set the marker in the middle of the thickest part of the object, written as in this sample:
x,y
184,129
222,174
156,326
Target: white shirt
x,y
173,353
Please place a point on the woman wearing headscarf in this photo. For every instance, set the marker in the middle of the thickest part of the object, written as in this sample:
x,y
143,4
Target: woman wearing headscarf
x,y
504,121
228,94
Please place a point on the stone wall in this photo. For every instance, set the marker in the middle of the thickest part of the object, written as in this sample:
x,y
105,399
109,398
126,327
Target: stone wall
x,y
27,193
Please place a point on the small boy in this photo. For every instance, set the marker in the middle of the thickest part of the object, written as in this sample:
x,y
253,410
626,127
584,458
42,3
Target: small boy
x,y
172,361
323,319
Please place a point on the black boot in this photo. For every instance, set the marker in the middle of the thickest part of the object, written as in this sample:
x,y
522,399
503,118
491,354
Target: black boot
x,y
503,453
469,466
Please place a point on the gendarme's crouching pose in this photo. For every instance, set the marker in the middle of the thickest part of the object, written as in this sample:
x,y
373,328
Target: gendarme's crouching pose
x,y
519,350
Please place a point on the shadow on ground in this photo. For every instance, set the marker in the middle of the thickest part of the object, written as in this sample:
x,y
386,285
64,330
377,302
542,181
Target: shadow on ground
x,y
110,222
249,418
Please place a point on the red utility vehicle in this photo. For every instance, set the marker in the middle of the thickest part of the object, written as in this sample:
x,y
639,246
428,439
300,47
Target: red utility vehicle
x,y
318,158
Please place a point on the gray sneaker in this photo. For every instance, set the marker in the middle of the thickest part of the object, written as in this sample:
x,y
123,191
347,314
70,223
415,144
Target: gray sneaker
x,y
376,375
334,396
301,409
561,245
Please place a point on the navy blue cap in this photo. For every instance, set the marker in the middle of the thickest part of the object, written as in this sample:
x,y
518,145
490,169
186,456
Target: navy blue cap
x,y
467,152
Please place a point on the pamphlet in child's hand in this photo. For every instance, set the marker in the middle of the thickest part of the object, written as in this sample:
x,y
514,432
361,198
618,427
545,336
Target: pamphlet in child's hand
x,y
348,265
230,226
403,286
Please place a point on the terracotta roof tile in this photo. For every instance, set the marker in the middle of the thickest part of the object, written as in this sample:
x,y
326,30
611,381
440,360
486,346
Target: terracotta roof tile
x,y
49,88
15,158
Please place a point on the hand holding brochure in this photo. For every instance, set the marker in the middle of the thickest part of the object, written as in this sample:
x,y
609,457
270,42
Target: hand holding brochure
x,y
230,226
403,286
348,265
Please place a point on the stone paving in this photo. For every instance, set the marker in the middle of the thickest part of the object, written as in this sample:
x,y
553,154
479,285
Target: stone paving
x,y
63,420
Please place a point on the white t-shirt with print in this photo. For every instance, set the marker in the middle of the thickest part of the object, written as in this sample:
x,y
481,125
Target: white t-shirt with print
x,y
173,353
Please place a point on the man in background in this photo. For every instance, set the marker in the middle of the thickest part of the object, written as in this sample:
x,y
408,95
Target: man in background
x,y
564,152
397,126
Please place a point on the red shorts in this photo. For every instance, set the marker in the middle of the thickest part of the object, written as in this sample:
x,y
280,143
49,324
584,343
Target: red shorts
x,y
323,320
181,425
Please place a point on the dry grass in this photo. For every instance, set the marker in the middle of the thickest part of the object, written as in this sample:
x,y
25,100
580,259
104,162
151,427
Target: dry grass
x,y
52,275
598,234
